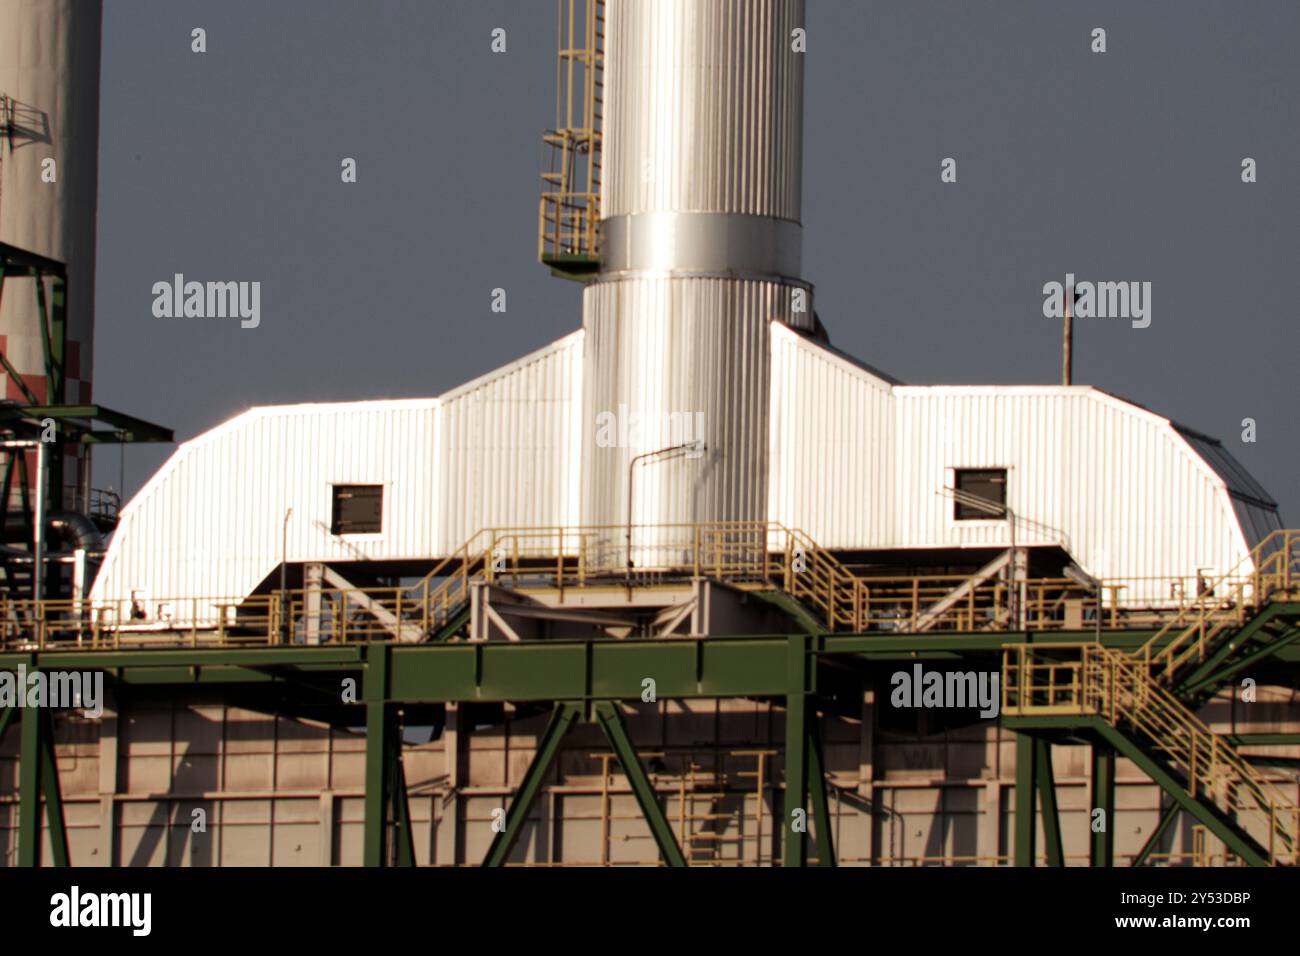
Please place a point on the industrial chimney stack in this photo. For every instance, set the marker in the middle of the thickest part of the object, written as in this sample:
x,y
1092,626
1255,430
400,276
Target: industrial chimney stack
x,y
700,240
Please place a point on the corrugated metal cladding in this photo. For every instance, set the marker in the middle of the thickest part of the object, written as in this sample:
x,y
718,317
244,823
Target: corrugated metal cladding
x,y
677,353
509,447
832,440
864,465
704,108
501,450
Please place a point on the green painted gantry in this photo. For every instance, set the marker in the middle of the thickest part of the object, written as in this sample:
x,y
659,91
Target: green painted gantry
x,y
584,681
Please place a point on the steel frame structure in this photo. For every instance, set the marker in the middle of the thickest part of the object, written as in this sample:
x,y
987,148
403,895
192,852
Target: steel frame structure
x,y
584,681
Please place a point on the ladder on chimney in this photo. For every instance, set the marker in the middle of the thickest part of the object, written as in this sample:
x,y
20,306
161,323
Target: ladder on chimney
x,y
568,240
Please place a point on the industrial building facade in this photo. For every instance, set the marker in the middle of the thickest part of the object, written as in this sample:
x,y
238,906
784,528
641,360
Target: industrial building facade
x,y
648,595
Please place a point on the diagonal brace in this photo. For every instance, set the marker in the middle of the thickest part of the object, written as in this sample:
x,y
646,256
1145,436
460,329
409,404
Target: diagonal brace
x,y
611,722
548,746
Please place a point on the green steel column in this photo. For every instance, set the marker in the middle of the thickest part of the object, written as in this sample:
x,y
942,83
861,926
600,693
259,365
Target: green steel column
x,y
820,800
611,721
29,790
548,746
5,717
401,807
1047,803
795,849
59,339
1103,799
1166,818
1026,776
379,728
53,796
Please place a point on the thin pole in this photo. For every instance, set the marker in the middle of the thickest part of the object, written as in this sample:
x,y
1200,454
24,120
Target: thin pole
x,y
1067,357
38,532
284,568
631,477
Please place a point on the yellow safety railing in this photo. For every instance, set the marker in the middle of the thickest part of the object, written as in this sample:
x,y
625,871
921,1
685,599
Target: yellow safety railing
x,y
1271,570
1090,679
746,554
569,213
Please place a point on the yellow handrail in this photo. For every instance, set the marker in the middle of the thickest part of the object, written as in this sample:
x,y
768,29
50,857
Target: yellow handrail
x,y
1048,679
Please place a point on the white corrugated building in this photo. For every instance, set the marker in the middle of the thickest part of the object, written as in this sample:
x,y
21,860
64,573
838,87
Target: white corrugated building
x,y
858,461
698,310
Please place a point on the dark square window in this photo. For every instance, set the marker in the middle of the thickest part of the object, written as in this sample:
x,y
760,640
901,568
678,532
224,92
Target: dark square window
x,y
358,509
989,486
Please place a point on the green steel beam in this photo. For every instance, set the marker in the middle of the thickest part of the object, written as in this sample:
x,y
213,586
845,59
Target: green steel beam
x,y
379,731
1166,819
402,807
611,722
1235,838
29,790
1102,845
57,391
793,609
188,658
9,475
1226,647
1261,740
47,348
895,644
503,841
1047,803
533,671
1026,778
122,428
820,800
17,379
30,263
53,796
795,846
454,624
6,716
25,493
1199,684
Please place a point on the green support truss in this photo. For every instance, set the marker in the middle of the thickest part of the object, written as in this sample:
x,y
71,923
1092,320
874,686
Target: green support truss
x,y
583,678
504,839
611,722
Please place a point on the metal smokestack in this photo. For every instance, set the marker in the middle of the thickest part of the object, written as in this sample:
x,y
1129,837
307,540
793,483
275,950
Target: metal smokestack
x,y
49,154
701,243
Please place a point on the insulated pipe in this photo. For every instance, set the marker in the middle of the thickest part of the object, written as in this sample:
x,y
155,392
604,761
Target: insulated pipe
x,y
702,146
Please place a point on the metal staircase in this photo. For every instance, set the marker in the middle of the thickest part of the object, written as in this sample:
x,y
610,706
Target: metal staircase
x,y
1224,608
1231,623
1050,681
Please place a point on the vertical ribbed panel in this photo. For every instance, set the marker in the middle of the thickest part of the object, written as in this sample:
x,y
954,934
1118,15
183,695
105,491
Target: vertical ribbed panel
x,y
832,445
508,447
704,107
657,347
862,465
499,451
211,522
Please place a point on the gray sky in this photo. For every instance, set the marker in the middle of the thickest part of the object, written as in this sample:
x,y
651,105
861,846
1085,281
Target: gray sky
x,y
1116,166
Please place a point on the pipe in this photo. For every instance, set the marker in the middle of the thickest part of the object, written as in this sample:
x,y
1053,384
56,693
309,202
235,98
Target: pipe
x,y
38,523
79,528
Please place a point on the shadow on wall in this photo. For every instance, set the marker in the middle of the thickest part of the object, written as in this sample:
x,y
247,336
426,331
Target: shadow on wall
x,y
23,125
